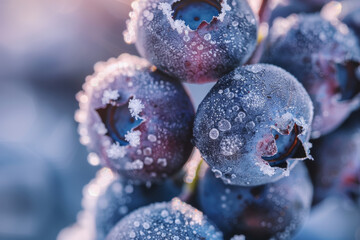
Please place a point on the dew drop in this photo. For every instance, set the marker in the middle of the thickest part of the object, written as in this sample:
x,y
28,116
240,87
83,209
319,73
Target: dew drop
x,y
217,172
186,38
146,225
148,161
224,125
207,37
132,234
214,133
152,138
162,162
147,151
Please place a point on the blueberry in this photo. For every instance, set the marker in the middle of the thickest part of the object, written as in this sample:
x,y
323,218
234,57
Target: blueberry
x,y
168,220
136,119
254,125
123,196
324,59
272,211
194,41
336,169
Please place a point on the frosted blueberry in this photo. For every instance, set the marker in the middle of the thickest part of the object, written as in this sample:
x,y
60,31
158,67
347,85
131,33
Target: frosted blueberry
x,y
324,56
163,219
194,41
135,115
266,139
271,211
110,205
336,169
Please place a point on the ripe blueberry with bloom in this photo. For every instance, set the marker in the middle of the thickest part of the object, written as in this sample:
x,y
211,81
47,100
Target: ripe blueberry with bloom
x,y
336,169
271,211
251,128
194,41
136,119
123,196
167,220
325,58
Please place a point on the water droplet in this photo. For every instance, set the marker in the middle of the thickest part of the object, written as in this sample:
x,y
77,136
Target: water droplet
x,y
217,172
132,234
207,37
186,38
162,162
164,213
146,225
147,151
224,125
250,125
214,133
152,138
148,161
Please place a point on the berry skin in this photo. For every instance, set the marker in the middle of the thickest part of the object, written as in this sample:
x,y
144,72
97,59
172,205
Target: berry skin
x,y
272,211
167,220
194,41
251,128
324,59
336,169
136,119
123,196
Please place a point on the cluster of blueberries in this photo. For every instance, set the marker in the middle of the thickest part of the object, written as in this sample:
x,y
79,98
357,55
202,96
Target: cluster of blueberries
x,y
253,129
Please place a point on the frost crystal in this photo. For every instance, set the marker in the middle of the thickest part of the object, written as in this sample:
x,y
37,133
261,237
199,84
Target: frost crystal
x,y
135,107
133,138
137,164
266,168
109,95
116,151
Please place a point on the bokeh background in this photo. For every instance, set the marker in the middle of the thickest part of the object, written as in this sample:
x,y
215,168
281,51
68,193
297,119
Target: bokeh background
x,y
47,48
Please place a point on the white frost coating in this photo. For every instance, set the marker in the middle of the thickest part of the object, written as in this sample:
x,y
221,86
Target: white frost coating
x,y
265,168
230,145
286,172
133,137
284,121
116,151
178,25
224,8
135,107
136,165
162,162
109,95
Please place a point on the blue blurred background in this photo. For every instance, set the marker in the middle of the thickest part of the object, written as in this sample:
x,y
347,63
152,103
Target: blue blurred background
x,y
47,48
